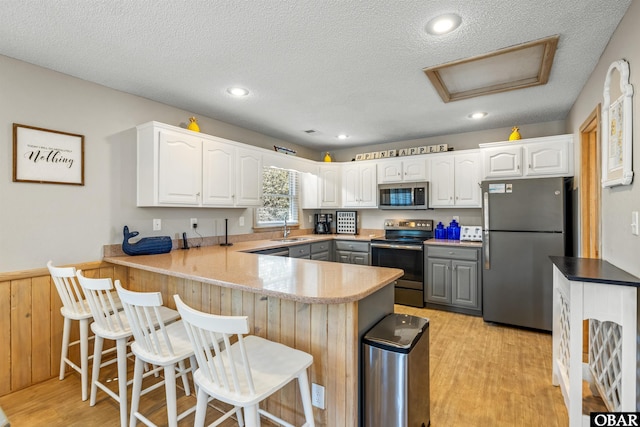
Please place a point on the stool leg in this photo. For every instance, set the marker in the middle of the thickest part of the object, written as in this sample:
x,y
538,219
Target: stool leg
x,y
170,390
185,380
121,350
201,407
97,360
66,329
305,395
138,371
251,416
84,356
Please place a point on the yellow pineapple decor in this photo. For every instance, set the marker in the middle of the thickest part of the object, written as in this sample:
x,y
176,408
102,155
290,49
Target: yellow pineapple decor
x,y
515,135
193,125
327,157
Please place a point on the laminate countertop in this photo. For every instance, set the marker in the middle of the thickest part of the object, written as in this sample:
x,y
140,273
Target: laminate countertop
x,y
593,270
458,243
302,280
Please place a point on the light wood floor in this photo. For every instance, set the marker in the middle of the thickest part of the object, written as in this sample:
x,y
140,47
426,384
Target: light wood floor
x,y
481,375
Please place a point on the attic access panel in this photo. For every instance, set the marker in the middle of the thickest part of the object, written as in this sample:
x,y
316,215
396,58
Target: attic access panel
x,y
515,67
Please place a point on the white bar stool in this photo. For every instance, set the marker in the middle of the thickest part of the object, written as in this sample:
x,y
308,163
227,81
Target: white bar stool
x,y
109,323
163,346
245,373
74,307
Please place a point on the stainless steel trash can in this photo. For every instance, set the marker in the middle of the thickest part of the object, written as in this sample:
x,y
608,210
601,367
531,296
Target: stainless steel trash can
x,y
396,372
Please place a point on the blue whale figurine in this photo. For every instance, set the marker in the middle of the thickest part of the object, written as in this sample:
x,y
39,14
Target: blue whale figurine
x,y
146,245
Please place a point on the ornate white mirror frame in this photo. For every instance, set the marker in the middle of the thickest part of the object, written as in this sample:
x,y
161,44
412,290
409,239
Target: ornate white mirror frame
x,y
617,129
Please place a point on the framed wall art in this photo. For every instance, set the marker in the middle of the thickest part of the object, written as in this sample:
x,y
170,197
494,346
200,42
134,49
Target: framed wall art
x,y
617,127
47,156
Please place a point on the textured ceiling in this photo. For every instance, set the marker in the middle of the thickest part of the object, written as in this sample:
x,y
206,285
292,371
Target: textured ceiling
x,y
339,66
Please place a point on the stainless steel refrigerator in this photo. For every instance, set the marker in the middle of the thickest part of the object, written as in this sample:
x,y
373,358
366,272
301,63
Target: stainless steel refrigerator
x,y
525,221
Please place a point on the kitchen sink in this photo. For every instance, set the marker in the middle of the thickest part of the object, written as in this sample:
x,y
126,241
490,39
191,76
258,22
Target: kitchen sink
x,y
290,239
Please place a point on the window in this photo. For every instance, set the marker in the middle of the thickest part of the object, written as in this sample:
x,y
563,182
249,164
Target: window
x,y
279,198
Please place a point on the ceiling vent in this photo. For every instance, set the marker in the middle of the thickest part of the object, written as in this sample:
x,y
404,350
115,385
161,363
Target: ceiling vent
x,y
515,67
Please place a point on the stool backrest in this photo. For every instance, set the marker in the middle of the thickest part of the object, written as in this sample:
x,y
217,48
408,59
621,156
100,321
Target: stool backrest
x,y
227,369
142,311
102,304
68,289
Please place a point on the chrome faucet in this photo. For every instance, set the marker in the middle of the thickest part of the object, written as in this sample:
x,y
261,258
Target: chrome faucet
x,y
285,231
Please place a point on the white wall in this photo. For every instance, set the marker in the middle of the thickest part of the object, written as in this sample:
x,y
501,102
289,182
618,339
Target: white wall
x,y
619,246
70,224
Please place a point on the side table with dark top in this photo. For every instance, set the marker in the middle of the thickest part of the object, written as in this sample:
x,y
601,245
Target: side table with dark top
x,y
607,296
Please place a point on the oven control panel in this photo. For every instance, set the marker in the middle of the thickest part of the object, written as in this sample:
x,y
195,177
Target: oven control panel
x,y
472,233
408,224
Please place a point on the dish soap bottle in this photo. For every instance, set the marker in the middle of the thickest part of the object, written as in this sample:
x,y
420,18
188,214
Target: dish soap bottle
x,y
193,125
327,157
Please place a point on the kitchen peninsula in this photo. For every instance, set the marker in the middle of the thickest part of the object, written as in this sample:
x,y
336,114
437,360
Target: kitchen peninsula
x,y
319,307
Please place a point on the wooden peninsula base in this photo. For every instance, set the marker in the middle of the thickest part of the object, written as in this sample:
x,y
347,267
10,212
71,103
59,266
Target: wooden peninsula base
x,y
297,309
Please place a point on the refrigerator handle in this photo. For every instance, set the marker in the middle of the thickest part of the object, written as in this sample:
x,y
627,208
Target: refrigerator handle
x,y
485,238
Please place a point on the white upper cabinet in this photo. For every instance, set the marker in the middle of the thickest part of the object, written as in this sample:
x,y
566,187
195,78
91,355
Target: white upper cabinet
x,y
329,186
248,177
548,158
455,180
359,185
441,186
405,170
502,162
178,167
534,157
219,170
467,180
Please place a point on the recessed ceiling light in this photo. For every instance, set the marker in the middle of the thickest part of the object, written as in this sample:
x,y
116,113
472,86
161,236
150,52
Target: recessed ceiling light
x,y
343,136
238,91
478,115
443,24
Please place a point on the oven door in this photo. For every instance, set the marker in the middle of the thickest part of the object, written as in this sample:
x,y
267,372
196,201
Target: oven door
x,y
410,287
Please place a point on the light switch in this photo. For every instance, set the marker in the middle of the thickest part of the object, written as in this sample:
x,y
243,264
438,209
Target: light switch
x,y
634,223
157,224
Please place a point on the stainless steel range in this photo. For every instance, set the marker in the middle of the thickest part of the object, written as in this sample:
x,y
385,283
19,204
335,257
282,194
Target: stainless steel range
x,y
402,247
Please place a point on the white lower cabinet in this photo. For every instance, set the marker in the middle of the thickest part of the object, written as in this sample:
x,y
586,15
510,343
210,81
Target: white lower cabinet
x,y
455,180
178,167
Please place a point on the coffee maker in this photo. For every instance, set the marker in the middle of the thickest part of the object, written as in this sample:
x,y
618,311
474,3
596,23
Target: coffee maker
x,y
322,223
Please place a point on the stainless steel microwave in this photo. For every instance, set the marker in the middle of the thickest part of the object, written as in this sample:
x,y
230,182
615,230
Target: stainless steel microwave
x,y
408,195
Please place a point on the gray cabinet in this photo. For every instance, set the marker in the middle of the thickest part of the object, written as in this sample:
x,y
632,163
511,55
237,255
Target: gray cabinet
x,y
352,252
300,251
453,279
321,251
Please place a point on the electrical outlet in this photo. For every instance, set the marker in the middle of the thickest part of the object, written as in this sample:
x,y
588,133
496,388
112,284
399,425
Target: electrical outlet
x,y
317,395
157,224
457,218
194,222
241,221
310,219
634,223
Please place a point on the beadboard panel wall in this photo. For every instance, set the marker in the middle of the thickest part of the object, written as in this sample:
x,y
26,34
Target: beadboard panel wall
x,y
31,325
